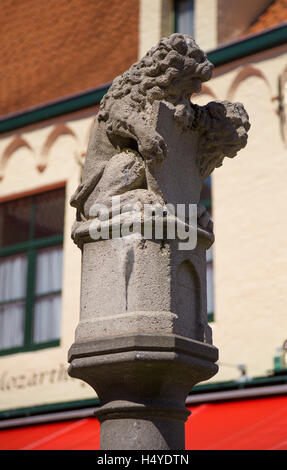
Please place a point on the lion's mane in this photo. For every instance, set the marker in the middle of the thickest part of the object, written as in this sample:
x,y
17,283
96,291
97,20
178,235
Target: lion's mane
x,y
222,127
159,75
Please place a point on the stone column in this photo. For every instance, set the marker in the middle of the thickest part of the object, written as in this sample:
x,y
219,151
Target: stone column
x,y
143,340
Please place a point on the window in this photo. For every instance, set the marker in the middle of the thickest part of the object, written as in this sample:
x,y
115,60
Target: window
x,y
31,238
205,200
184,16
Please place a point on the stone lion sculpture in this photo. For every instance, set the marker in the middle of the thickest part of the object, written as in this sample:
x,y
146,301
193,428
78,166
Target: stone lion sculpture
x,y
171,71
123,143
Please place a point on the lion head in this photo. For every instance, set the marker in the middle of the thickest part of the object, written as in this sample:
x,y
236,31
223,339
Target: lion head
x,y
172,70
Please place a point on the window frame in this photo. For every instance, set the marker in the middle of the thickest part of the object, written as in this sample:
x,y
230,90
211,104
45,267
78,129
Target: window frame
x,y
30,248
176,17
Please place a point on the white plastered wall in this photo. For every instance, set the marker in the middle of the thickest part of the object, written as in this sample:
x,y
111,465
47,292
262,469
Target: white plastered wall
x,y
205,23
249,207
157,21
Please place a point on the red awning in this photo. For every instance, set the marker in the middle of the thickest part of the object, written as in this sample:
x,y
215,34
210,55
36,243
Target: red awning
x,y
259,424
80,434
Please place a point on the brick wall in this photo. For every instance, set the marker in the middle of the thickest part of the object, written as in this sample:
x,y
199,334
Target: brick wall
x,y
52,48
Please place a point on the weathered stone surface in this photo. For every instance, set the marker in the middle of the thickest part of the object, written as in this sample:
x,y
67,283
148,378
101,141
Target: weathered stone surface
x,y
142,381
142,286
143,339
153,97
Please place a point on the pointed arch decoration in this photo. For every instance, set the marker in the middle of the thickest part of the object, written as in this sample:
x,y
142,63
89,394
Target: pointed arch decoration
x,y
58,131
16,143
246,72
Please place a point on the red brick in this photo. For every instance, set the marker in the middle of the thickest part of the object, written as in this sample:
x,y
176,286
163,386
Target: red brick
x,y
275,14
53,48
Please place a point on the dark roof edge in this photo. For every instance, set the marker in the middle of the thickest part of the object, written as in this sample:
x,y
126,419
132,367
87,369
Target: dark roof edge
x,y
255,393
52,109
248,45
252,44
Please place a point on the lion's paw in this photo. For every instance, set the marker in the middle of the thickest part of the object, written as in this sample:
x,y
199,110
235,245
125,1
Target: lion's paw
x,y
153,148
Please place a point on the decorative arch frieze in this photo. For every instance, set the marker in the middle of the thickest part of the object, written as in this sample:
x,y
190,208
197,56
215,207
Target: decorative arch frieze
x,y
57,131
16,143
246,72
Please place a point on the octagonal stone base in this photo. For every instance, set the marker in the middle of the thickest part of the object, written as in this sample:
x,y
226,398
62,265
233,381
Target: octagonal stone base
x,y
142,382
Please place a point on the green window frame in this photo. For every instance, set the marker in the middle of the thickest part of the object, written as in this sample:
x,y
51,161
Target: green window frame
x,y
30,248
184,16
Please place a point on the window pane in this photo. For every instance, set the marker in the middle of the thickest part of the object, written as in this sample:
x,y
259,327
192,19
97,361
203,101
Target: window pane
x,y
15,221
184,17
13,272
47,308
209,254
205,199
210,294
12,325
49,270
49,213
47,318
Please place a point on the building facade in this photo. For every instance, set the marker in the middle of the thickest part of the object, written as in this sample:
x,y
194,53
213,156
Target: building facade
x,y
53,82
